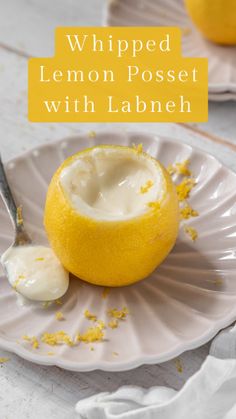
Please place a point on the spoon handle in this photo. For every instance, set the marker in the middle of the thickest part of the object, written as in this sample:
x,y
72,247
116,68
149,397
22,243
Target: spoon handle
x,y
9,201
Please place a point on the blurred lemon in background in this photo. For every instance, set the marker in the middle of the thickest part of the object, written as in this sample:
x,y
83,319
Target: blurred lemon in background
x,y
111,214
216,19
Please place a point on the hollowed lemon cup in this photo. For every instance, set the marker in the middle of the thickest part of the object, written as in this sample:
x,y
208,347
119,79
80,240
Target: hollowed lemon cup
x,y
111,252
215,19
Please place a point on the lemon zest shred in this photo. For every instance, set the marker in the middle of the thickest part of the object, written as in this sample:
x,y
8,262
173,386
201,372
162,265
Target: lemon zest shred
x,y
170,169
145,188
58,302
39,259
183,168
4,359
187,212
178,365
92,334
59,316
105,292
46,304
57,338
26,337
155,205
17,281
115,354
101,324
19,218
138,147
32,340
118,314
90,316
192,232
35,342
184,188
113,324
50,353
180,168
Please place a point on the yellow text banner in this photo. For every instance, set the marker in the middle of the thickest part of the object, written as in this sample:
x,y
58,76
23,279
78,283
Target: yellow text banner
x,y
118,74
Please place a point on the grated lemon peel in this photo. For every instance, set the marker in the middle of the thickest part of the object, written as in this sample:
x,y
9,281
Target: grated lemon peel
x,y
178,365
4,359
118,314
184,188
46,304
57,338
145,188
138,147
32,340
187,212
17,281
19,217
180,168
101,324
90,316
154,205
113,324
92,334
59,316
192,232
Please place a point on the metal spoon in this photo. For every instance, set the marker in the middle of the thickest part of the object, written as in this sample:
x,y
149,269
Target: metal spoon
x,y
21,236
46,286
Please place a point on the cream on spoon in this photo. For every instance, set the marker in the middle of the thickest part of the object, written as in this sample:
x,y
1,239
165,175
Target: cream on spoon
x,y
33,271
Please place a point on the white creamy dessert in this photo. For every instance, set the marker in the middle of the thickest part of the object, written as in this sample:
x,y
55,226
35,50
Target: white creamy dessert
x,y
112,184
35,272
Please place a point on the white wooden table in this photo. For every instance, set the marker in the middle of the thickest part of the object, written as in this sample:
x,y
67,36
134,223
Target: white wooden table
x,y
26,29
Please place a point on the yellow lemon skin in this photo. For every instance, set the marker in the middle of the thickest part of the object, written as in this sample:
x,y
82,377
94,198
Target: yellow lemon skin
x,y
216,19
110,253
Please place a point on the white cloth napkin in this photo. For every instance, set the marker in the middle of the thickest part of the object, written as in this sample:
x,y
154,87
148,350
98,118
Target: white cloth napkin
x,y
208,394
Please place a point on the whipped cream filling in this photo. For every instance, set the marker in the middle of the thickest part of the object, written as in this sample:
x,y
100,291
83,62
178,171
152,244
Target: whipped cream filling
x,y
35,272
111,183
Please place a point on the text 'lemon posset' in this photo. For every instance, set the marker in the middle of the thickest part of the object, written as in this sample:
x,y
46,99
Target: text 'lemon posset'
x,y
118,75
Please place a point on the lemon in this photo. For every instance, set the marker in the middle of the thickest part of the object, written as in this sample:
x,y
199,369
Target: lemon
x,y
111,215
216,19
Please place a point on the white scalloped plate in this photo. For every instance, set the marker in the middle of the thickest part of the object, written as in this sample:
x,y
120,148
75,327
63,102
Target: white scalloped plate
x,y
222,60
189,298
221,97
